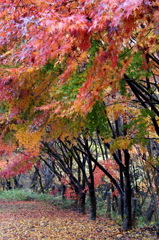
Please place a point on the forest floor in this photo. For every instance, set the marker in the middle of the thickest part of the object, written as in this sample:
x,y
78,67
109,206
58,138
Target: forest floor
x,y
34,220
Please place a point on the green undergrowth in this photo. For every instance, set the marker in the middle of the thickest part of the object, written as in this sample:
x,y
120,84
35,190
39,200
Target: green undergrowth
x,y
24,195
29,195
63,203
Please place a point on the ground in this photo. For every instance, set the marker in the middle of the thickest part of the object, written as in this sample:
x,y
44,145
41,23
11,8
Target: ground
x,y
34,220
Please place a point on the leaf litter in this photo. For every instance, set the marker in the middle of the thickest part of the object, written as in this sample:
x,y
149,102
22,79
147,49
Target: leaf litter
x,y
33,220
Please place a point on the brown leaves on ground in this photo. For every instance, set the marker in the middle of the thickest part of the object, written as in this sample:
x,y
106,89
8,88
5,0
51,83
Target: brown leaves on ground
x,y
33,220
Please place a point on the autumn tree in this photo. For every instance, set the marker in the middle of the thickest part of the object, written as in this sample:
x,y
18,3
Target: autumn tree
x,y
60,58
75,164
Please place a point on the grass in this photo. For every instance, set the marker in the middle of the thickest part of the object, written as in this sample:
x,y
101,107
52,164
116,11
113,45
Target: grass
x,y
23,195
29,195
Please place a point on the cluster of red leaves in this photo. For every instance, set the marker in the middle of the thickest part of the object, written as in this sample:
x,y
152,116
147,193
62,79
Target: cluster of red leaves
x,y
33,32
110,165
70,193
17,163
50,29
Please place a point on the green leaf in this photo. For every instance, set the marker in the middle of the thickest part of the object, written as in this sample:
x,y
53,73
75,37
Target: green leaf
x,y
97,119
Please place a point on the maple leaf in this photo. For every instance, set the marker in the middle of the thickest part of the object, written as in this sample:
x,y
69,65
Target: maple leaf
x,y
43,47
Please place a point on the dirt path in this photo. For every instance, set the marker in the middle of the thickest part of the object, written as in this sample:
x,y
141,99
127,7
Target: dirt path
x,y
40,220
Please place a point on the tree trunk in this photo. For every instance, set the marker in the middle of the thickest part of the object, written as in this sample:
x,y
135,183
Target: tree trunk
x,y
121,198
9,187
92,195
16,182
82,201
40,180
63,187
93,204
127,222
34,181
108,210
134,209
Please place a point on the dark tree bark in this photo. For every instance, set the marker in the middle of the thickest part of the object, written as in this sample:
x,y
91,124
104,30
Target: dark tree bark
x,y
150,210
92,193
127,222
8,183
34,180
40,179
16,182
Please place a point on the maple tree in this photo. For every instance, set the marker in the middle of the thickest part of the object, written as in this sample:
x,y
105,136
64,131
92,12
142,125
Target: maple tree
x,y
76,47
69,29
78,170
61,60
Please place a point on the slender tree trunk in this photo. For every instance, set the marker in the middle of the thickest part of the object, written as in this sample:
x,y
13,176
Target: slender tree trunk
x,y
9,187
34,181
109,204
16,182
92,194
121,198
40,179
121,185
63,191
93,204
82,202
127,222
150,210
134,209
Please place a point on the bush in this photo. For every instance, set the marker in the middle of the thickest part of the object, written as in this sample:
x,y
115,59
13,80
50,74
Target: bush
x,y
24,195
29,195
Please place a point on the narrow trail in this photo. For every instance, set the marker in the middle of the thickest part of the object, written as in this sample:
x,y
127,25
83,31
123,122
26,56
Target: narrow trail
x,y
34,220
